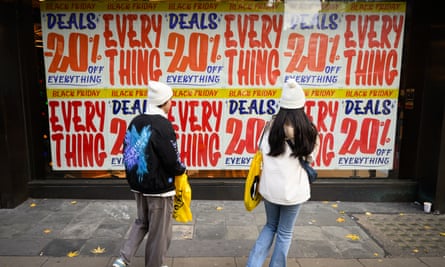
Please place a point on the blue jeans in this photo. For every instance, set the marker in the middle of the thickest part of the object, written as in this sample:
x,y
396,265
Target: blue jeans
x,y
280,222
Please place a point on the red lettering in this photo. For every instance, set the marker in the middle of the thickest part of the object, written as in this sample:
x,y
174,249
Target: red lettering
x,y
118,126
124,25
54,119
57,138
200,149
228,34
327,110
84,150
367,34
349,42
326,150
197,116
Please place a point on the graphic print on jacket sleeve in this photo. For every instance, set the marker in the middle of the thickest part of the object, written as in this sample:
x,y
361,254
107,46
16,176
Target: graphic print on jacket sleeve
x,y
178,156
134,153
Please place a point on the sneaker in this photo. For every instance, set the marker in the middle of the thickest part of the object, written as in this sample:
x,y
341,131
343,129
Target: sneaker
x,y
119,263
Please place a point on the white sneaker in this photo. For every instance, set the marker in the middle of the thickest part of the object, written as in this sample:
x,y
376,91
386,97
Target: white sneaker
x,y
119,263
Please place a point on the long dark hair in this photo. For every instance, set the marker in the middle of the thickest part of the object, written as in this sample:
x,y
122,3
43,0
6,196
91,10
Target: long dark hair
x,y
305,133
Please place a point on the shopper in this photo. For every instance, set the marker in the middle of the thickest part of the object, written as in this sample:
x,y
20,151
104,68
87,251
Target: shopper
x,y
152,161
284,184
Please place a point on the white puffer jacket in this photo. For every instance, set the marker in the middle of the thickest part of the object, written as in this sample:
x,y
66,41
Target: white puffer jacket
x,y
283,181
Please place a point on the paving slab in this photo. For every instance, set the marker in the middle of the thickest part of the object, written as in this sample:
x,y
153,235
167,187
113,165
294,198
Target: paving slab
x,y
77,261
22,246
42,232
393,262
407,234
328,262
433,261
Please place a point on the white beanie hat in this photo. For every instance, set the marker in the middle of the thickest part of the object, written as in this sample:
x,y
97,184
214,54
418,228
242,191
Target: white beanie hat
x,y
292,95
158,93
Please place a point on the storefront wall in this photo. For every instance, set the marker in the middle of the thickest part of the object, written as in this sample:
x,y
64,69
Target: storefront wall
x,y
354,184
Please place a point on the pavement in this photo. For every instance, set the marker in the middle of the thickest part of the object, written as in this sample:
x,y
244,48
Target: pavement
x,y
80,232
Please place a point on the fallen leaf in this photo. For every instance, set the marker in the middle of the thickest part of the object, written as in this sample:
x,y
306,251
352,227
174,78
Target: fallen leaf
x,y
72,254
353,237
32,205
342,212
219,208
442,234
98,250
340,220
334,205
325,202
376,254
73,202
368,213
47,231
402,214
427,227
415,250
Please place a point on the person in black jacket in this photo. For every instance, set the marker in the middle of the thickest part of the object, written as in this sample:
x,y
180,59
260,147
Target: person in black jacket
x,y
152,161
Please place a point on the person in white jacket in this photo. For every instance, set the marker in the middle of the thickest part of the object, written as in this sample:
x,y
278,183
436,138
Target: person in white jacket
x,y
284,184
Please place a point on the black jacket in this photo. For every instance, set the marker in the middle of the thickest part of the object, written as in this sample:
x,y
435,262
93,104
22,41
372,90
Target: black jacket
x,y
151,154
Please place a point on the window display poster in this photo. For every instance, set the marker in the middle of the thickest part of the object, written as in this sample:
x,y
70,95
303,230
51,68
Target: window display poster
x,y
226,63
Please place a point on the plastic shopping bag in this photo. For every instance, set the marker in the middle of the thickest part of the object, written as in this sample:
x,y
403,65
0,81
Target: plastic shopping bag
x,y
183,199
251,195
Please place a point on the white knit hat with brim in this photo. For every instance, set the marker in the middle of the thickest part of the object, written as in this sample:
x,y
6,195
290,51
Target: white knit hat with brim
x,y
292,96
158,93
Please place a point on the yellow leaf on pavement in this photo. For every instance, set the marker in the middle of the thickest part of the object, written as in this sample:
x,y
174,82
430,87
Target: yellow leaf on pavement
x,y
32,205
73,202
98,250
47,231
353,237
219,208
340,220
72,254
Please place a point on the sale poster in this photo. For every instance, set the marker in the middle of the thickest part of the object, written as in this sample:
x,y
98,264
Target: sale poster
x,y
226,63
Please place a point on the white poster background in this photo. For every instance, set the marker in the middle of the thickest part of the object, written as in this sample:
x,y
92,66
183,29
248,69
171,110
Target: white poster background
x,y
226,63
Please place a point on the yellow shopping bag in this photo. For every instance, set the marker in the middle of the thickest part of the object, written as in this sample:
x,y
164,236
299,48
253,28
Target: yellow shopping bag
x,y
251,195
183,199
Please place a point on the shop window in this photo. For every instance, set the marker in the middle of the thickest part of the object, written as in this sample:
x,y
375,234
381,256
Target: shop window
x,y
226,61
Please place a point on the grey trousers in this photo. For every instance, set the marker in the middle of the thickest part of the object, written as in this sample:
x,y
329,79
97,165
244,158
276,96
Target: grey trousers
x,y
154,219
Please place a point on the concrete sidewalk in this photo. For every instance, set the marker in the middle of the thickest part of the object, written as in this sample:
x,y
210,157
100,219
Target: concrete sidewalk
x,y
69,232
